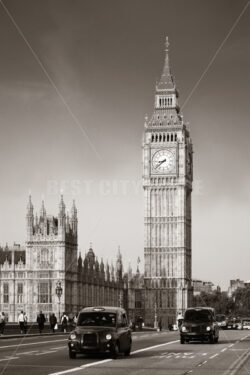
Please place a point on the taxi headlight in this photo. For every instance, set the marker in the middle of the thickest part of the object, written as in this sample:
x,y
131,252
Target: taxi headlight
x,y
183,329
108,336
72,336
208,328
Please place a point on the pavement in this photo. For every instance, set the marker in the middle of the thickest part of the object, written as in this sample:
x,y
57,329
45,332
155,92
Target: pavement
x,y
12,330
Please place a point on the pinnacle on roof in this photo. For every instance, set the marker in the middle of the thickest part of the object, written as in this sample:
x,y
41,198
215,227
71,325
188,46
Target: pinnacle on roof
x,y
73,209
42,211
166,82
30,205
62,205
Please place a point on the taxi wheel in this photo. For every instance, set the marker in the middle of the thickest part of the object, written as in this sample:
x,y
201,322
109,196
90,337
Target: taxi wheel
x,y
72,355
115,351
127,352
212,339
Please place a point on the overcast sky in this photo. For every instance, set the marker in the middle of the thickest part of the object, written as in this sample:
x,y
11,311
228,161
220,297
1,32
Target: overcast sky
x,y
72,114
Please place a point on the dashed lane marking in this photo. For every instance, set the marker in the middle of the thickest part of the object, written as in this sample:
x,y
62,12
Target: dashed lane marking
x,y
59,347
213,356
28,353
47,352
223,350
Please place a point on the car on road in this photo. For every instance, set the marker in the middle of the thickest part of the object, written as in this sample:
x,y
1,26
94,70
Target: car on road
x,y
246,324
101,330
199,324
221,320
234,323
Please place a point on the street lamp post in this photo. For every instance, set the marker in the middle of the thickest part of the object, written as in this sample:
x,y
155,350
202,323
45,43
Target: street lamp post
x,y
155,322
59,294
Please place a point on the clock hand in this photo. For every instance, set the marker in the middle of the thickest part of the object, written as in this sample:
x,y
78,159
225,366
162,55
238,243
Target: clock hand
x,y
160,162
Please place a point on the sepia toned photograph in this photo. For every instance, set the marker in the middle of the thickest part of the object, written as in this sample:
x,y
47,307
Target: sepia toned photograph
x,y
125,178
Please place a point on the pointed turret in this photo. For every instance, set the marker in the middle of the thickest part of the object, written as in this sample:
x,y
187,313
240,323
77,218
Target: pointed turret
x,y
61,219
67,223
30,207
42,211
119,265
73,219
30,218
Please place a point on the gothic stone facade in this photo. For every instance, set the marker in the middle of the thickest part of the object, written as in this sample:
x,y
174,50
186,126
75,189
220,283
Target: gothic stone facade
x,y
29,276
167,182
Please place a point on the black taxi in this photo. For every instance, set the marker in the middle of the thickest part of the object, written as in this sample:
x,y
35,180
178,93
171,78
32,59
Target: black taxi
x,y
199,324
101,330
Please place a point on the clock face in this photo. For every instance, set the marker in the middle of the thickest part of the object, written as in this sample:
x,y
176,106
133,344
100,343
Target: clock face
x,y
163,161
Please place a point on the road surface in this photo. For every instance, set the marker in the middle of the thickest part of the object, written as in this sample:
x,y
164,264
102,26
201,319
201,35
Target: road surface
x,y
152,354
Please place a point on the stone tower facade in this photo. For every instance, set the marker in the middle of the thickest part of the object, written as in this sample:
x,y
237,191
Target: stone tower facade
x,y
51,256
167,183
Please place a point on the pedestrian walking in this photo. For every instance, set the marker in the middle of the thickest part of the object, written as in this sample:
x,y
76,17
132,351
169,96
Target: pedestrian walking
x,y
2,323
159,325
53,322
64,321
40,321
25,325
21,322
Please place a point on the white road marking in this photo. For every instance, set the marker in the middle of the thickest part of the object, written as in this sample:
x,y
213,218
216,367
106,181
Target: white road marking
x,y
154,347
32,343
96,363
59,348
8,359
110,360
213,356
230,346
48,352
223,350
31,352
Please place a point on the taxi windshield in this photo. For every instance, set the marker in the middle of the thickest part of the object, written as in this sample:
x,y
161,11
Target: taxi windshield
x,y
220,318
198,316
97,319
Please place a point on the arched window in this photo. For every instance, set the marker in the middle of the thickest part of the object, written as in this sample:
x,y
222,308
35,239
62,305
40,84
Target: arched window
x,y
167,137
152,138
160,138
156,138
164,137
172,137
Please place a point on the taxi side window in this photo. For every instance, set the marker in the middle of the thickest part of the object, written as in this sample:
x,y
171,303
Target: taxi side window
x,y
122,320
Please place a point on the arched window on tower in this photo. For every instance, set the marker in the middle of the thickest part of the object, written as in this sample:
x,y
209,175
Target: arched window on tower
x,y
156,138
160,137
164,137
152,138
172,138
167,137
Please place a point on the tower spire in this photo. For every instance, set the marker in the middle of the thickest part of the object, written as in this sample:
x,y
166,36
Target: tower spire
x,y
166,82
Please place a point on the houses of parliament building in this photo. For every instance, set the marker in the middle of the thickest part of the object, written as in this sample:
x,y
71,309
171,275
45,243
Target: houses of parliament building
x,y
29,277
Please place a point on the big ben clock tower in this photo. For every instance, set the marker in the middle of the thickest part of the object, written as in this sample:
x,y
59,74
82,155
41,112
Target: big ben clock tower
x,y
167,183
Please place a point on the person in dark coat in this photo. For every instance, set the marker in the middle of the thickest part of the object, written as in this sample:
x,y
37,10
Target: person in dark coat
x,y
64,322
53,322
40,321
2,323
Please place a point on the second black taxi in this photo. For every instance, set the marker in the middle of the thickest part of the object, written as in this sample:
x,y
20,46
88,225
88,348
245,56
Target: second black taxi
x,y
101,330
